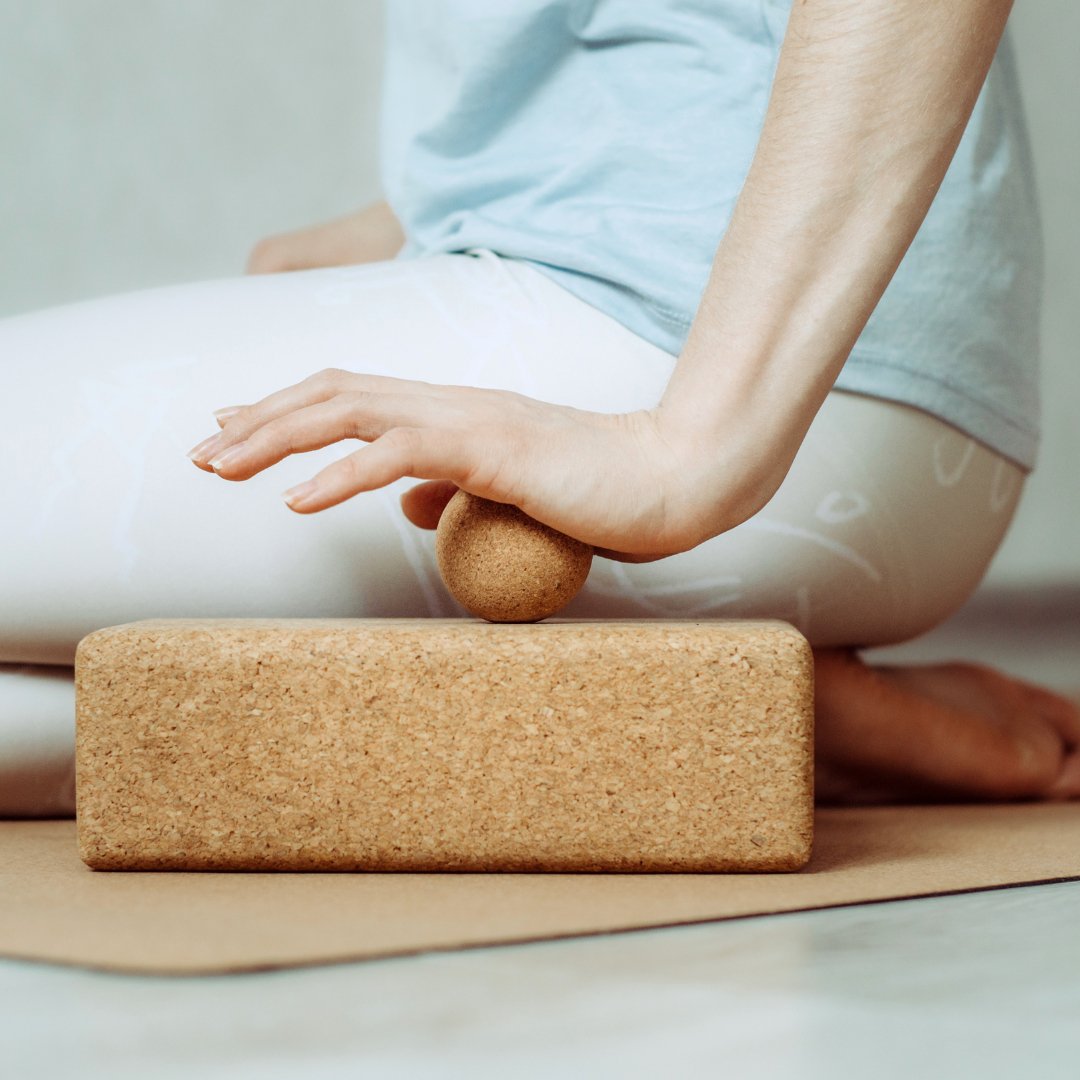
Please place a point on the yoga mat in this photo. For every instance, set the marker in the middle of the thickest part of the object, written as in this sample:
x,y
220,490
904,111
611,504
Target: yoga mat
x,y
54,908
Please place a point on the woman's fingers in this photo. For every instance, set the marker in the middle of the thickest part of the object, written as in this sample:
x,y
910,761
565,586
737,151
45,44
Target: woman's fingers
x,y
402,451
354,415
239,425
321,386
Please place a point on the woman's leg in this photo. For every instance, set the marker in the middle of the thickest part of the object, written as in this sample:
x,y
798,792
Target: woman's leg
x,y
37,738
109,522
885,525
886,522
106,521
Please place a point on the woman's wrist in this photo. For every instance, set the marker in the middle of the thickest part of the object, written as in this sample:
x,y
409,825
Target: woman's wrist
x,y
713,478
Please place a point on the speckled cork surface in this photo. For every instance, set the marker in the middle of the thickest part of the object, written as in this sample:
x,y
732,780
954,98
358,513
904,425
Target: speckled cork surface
x,y
505,566
445,744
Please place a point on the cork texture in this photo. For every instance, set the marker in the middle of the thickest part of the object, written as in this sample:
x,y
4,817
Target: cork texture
x,y
445,744
505,566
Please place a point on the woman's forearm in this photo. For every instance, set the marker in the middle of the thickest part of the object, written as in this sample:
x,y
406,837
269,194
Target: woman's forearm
x,y
380,231
868,104
368,235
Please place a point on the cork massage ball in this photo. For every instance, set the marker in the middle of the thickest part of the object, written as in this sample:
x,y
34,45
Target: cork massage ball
x,y
505,566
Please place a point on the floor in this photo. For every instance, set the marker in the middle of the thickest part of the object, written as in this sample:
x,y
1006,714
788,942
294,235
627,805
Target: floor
x,y
979,985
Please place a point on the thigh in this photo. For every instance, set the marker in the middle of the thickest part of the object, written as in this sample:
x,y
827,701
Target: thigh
x,y
885,524
106,521
37,741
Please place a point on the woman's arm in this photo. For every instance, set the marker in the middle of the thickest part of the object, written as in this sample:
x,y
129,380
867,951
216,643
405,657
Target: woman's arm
x,y
868,104
369,235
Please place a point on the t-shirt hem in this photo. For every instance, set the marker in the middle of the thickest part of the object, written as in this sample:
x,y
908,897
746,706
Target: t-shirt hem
x,y
863,374
866,372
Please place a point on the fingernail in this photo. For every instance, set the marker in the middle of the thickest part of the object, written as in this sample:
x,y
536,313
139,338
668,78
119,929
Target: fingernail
x,y
301,492
229,456
200,450
221,415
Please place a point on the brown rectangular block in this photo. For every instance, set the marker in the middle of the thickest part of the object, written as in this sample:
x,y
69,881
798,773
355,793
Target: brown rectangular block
x,y
445,744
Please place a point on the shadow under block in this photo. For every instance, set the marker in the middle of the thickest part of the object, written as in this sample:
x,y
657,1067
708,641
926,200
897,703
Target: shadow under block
x,y
445,744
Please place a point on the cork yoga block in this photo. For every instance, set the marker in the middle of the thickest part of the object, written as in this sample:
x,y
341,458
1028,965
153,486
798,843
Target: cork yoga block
x,y
445,744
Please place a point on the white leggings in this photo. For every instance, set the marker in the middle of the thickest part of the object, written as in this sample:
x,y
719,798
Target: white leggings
x,y
885,524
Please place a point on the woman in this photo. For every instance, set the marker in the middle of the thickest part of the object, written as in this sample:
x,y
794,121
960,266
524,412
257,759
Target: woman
x,y
751,309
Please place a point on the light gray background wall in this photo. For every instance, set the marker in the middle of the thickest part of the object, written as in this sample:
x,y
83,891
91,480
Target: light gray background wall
x,y
146,142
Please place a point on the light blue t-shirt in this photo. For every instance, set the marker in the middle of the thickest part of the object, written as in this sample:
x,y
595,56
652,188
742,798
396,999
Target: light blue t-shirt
x,y
606,141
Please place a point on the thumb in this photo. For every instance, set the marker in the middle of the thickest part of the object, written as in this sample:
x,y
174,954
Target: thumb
x,y
423,505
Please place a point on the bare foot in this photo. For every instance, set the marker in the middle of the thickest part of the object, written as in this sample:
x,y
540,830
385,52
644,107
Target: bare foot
x,y
943,732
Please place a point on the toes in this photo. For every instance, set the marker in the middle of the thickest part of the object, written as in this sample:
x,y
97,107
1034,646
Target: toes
x,y
1067,785
1060,711
931,730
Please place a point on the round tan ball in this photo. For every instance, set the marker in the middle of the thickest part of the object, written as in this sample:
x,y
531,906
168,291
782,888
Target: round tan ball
x,y
505,566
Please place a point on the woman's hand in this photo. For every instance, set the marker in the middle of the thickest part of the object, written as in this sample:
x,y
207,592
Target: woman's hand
x,y
369,235
618,481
